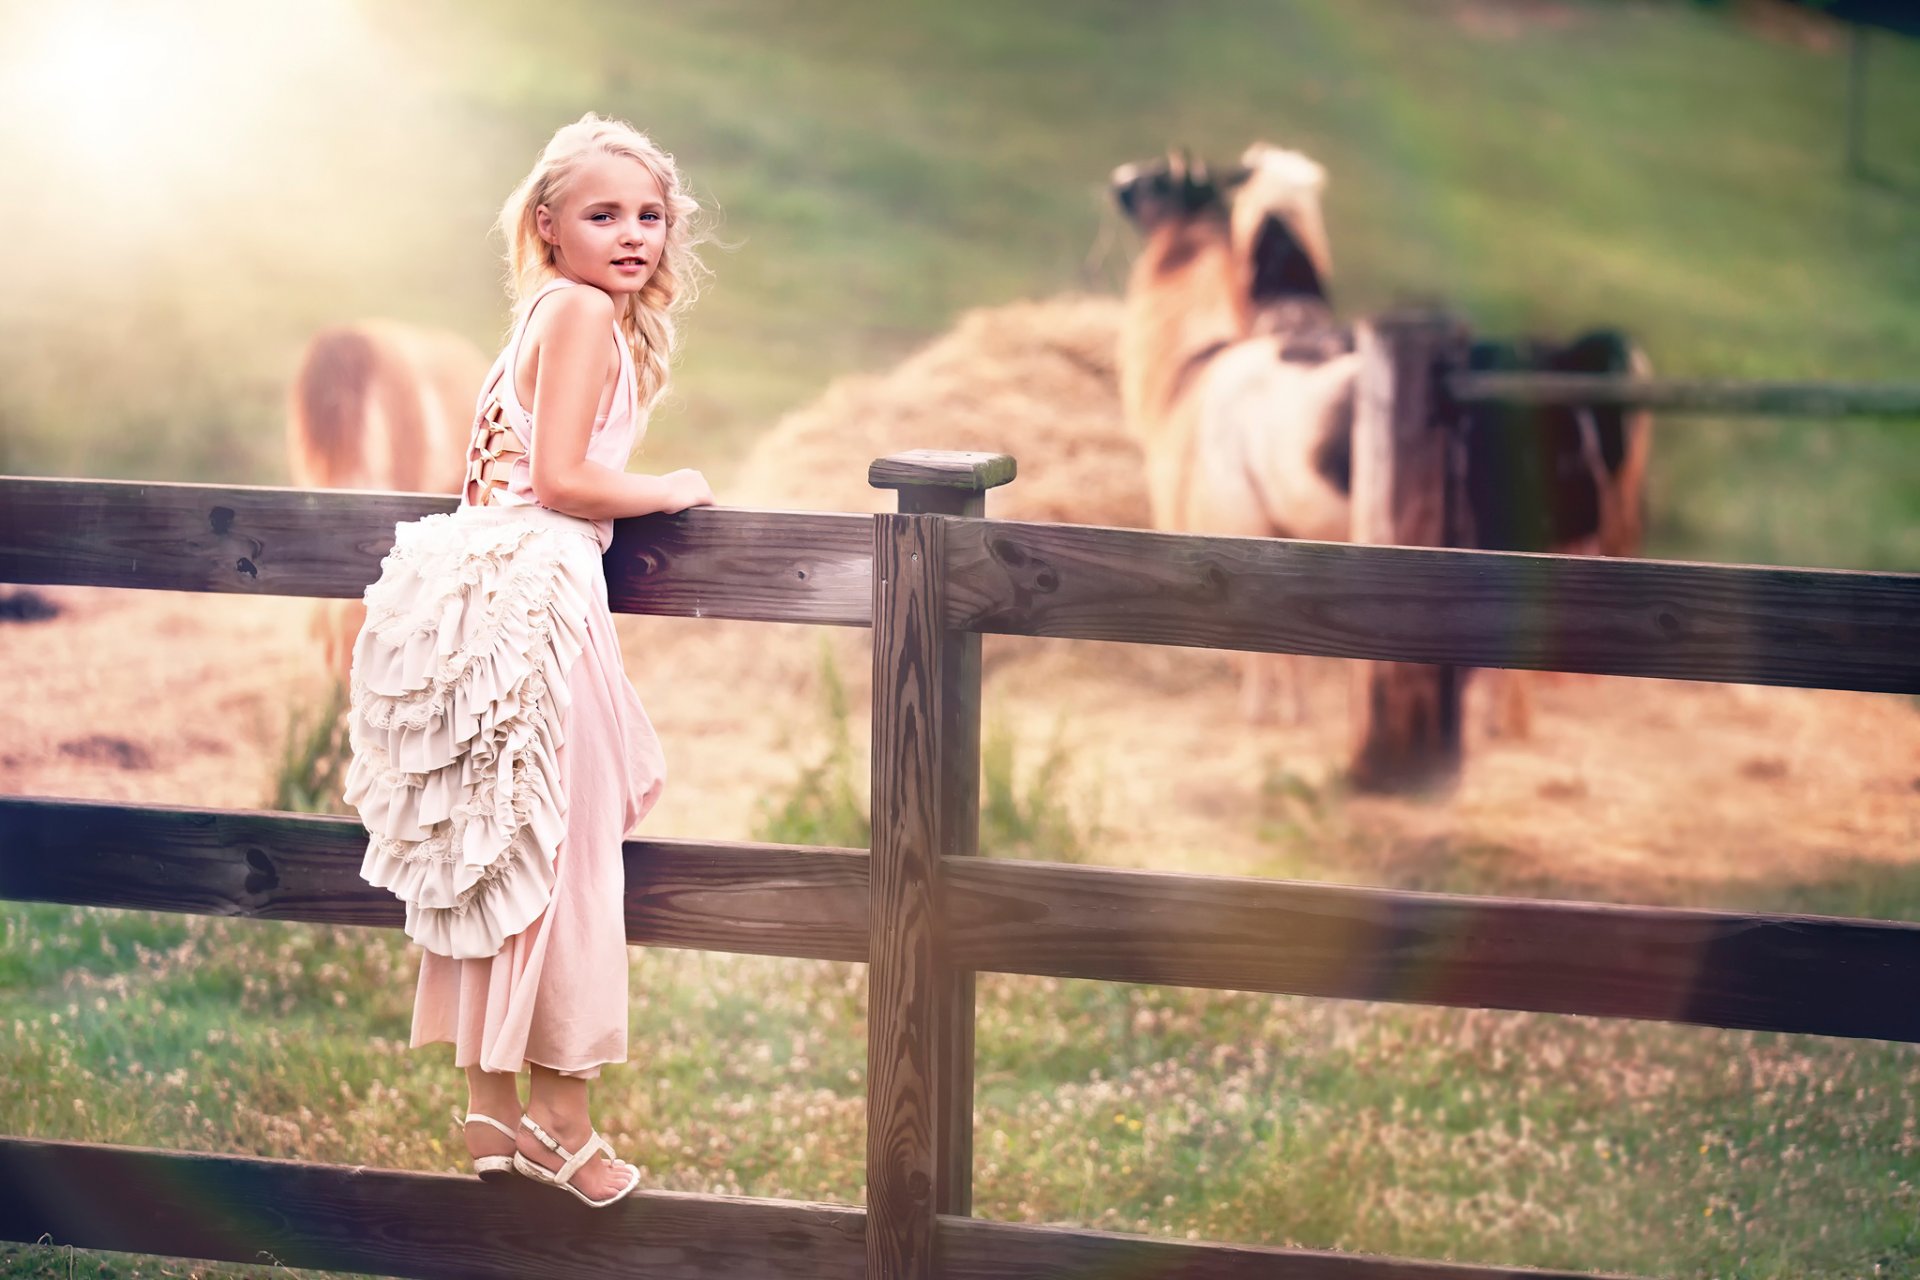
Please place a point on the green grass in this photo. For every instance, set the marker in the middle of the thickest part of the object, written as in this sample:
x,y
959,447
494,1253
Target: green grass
x,y
825,803
313,758
1657,166
1476,1135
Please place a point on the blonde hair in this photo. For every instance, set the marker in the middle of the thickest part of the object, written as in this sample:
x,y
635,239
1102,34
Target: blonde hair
x,y
646,318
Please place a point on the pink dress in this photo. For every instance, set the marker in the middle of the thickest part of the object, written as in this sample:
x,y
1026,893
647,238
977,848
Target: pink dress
x,y
499,755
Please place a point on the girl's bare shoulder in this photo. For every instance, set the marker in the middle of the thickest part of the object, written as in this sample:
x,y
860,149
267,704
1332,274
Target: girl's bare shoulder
x,y
569,324
574,311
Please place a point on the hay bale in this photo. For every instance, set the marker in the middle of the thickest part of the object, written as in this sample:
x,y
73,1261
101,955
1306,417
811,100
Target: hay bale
x,y
1037,380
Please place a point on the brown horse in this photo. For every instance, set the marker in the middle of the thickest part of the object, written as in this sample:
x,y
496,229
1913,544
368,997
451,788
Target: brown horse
x,y
379,405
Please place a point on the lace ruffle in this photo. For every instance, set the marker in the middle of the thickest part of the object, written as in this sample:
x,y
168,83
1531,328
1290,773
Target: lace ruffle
x,y
459,700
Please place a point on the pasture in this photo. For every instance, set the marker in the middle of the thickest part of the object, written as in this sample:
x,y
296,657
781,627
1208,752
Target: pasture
x,y
1544,166
1605,190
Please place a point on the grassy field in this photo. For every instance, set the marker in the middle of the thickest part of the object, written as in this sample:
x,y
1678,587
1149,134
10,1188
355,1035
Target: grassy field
x,y
1472,1135
1651,165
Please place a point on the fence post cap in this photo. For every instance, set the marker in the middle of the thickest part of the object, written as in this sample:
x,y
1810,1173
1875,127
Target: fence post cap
x,y
942,469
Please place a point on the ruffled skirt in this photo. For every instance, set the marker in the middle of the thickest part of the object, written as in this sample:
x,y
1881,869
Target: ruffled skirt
x,y
499,754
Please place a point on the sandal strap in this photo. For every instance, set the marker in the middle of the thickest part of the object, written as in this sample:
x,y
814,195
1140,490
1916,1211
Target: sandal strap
x,y
542,1136
475,1116
572,1160
586,1152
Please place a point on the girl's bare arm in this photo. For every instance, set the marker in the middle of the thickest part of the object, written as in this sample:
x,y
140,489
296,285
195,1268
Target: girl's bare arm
x,y
572,361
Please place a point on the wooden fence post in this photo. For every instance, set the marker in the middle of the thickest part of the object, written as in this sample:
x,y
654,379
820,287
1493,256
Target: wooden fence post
x,y
1405,493
926,803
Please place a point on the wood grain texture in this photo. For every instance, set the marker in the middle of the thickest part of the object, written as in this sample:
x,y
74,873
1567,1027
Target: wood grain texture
x,y
712,562
973,1249
941,468
386,1222
784,900
1680,396
1815,628
763,566
1824,975
248,1210
1813,974
1405,726
906,981
959,771
193,537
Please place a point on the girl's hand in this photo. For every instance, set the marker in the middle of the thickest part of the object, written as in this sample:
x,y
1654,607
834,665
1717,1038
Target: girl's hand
x,y
687,488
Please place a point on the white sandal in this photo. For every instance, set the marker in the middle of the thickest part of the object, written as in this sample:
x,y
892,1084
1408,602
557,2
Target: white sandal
x,y
491,1168
573,1162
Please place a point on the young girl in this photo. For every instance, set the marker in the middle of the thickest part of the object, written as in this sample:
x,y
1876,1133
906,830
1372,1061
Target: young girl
x,y
499,753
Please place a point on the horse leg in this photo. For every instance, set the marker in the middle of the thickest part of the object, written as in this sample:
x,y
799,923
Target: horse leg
x,y
1267,679
1256,687
1509,703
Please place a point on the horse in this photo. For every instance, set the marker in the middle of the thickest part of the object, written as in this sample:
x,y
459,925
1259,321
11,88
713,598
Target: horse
x,y
1234,374
1240,383
379,405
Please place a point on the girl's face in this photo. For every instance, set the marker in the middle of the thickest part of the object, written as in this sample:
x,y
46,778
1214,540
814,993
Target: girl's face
x,y
609,224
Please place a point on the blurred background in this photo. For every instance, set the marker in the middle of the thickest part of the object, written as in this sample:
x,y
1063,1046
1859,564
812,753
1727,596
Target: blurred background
x,y
916,246
199,189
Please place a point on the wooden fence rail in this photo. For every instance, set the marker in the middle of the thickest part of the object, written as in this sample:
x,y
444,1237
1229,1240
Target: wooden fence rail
x,y
921,909
1829,628
1755,971
1681,396
386,1222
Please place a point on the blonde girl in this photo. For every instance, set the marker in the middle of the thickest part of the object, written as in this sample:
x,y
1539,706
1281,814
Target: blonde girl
x,y
499,752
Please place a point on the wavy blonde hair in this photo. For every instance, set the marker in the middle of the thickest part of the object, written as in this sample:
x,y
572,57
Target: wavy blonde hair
x,y
647,319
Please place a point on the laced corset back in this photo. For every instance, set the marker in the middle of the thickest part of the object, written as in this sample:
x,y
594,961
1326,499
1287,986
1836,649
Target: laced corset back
x,y
499,462
491,455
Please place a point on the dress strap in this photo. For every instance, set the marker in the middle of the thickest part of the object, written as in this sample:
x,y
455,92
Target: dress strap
x,y
520,332
498,445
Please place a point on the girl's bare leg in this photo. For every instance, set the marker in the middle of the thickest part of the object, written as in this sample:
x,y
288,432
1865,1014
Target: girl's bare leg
x,y
558,1104
496,1094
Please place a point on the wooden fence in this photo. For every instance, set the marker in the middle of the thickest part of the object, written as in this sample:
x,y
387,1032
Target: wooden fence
x,y
920,909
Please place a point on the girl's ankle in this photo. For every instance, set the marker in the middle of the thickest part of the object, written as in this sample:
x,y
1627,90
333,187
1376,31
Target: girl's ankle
x,y
504,1105
557,1122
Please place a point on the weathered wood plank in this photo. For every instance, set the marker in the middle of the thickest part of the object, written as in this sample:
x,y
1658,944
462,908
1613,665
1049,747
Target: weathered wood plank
x,y
976,1249
938,483
1678,396
1774,972
763,900
386,1222
783,900
710,562
760,566
1406,724
1809,627
195,537
905,1051
1824,975
941,468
